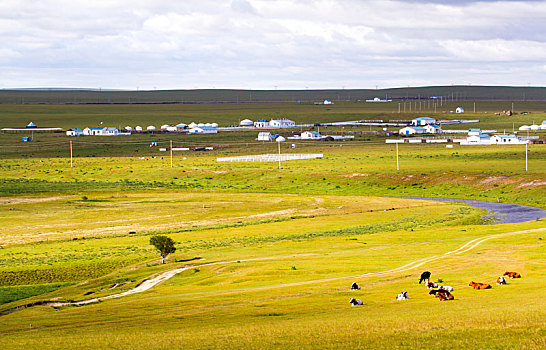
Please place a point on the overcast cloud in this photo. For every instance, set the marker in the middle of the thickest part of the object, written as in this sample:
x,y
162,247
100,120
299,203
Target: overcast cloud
x,y
263,44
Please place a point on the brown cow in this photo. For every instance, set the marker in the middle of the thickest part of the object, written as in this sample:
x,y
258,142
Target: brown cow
x,y
512,274
445,296
501,280
477,285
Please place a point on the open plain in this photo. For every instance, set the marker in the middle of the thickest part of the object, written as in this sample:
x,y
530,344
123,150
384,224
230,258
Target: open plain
x,y
265,256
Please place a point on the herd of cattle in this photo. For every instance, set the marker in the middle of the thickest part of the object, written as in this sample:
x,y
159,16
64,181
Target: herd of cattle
x,y
441,292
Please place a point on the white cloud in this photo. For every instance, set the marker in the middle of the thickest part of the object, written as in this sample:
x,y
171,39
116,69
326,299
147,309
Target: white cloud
x,y
263,43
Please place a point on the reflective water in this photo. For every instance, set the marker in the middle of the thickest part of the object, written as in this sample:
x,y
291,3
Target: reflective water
x,y
503,212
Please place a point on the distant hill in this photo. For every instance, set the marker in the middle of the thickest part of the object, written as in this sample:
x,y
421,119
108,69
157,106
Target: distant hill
x,y
91,96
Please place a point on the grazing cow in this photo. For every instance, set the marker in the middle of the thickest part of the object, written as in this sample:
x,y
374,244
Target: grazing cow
x,y
402,296
512,274
431,285
355,302
501,280
355,286
477,285
424,276
446,288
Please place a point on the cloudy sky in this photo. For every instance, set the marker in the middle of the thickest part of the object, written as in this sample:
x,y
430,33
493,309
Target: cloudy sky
x,y
268,44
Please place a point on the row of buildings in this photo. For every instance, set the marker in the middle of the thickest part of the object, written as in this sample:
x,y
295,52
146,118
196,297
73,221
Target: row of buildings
x,y
264,123
192,128
476,137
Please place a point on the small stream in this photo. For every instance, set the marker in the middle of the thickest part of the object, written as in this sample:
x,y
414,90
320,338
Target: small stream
x,y
504,213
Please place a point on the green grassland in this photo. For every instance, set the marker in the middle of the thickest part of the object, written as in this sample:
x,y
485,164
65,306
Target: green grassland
x,y
294,291
271,252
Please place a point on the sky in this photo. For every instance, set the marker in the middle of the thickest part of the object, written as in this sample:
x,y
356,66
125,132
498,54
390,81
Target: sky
x,y
270,44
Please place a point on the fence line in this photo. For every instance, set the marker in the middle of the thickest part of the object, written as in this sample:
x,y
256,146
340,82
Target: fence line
x,y
269,157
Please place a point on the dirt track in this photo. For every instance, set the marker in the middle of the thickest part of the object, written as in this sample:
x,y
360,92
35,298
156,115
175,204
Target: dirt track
x,y
153,281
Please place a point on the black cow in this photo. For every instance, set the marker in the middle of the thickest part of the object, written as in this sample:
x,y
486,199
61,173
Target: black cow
x,y
424,276
355,286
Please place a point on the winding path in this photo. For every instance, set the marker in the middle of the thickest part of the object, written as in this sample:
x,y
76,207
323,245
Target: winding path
x,y
153,281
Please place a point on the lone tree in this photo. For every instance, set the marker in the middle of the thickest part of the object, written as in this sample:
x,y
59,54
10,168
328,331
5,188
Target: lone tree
x,y
164,244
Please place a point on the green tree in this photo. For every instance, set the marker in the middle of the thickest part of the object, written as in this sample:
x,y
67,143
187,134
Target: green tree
x,y
164,244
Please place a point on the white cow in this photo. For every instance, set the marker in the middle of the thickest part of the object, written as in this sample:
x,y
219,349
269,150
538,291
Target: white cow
x,y
402,296
446,288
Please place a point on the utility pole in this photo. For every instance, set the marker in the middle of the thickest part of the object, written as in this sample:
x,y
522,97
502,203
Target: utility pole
x,y
398,107
71,153
397,163
279,143
526,157
171,153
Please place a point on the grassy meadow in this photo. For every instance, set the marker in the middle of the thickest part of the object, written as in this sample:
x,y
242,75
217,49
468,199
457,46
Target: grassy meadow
x,y
271,253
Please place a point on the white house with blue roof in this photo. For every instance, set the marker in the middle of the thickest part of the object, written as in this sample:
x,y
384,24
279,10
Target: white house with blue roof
x,y
412,130
261,123
311,135
433,129
100,131
74,132
282,123
203,130
422,121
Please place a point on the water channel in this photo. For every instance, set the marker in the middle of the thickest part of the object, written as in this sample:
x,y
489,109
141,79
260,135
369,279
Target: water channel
x,y
503,213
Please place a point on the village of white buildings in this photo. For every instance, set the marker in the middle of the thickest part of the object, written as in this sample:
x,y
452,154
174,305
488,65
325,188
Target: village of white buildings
x,y
417,130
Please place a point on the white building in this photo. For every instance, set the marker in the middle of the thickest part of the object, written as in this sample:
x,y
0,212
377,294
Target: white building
x,y
310,135
246,122
282,123
203,130
411,130
459,110
377,99
171,129
74,132
507,140
422,121
100,131
264,136
481,139
261,123
432,129
474,132
327,102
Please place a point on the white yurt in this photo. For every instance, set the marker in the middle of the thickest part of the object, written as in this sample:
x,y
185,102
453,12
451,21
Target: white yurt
x,y
535,127
524,128
181,125
150,128
138,128
128,128
201,125
164,126
214,125
172,128
192,125
246,122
